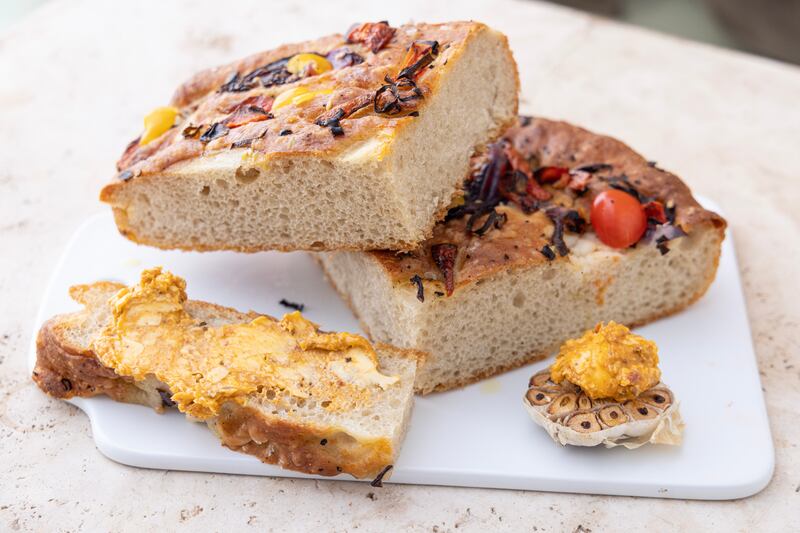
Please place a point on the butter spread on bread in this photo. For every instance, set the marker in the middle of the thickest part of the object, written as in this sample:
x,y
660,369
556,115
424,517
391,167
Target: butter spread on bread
x,y
152,334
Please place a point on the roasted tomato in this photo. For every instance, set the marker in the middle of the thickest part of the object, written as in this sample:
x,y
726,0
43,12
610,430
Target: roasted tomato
x,y
618,218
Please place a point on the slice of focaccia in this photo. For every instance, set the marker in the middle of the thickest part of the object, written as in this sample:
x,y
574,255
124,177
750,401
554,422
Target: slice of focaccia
x,y
557,229
354,141
306,400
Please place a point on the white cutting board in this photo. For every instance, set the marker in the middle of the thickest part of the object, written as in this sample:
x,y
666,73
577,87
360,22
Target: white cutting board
x,y
479,436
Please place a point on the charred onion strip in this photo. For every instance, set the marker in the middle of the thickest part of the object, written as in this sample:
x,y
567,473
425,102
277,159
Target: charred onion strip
x,y
420,54
396,96
214,131
592,169
253,109
245,143
621,183
330,119
343,57
505,177
661,234
374,35
416,280
444,255
564,218
400,94
495,219
268,75
378,481
234,84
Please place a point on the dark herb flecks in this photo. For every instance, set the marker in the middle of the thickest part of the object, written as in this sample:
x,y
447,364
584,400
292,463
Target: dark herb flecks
x,y
593,168
378,481
166,398
416,280
292,305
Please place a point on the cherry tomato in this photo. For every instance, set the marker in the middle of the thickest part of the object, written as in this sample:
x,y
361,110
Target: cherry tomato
x,y
618,218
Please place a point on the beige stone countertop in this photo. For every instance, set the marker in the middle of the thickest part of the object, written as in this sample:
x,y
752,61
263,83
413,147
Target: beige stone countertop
x,y
76,77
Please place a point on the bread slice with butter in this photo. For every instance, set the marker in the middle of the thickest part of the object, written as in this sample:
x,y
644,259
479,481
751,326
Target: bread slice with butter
x,y
281,390
520,264
354,141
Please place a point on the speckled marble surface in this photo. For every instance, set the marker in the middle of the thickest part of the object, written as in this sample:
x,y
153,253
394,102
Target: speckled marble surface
x,y
76,78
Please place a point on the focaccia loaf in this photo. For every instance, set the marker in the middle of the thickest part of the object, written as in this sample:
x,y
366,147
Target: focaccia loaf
x,y
517,267
354,141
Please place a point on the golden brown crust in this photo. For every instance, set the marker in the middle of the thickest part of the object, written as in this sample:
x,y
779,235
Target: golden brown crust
x,y
64,371
299,447
517,245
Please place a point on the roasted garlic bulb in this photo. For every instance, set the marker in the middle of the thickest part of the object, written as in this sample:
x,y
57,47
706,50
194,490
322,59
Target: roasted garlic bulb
x,y
571,417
